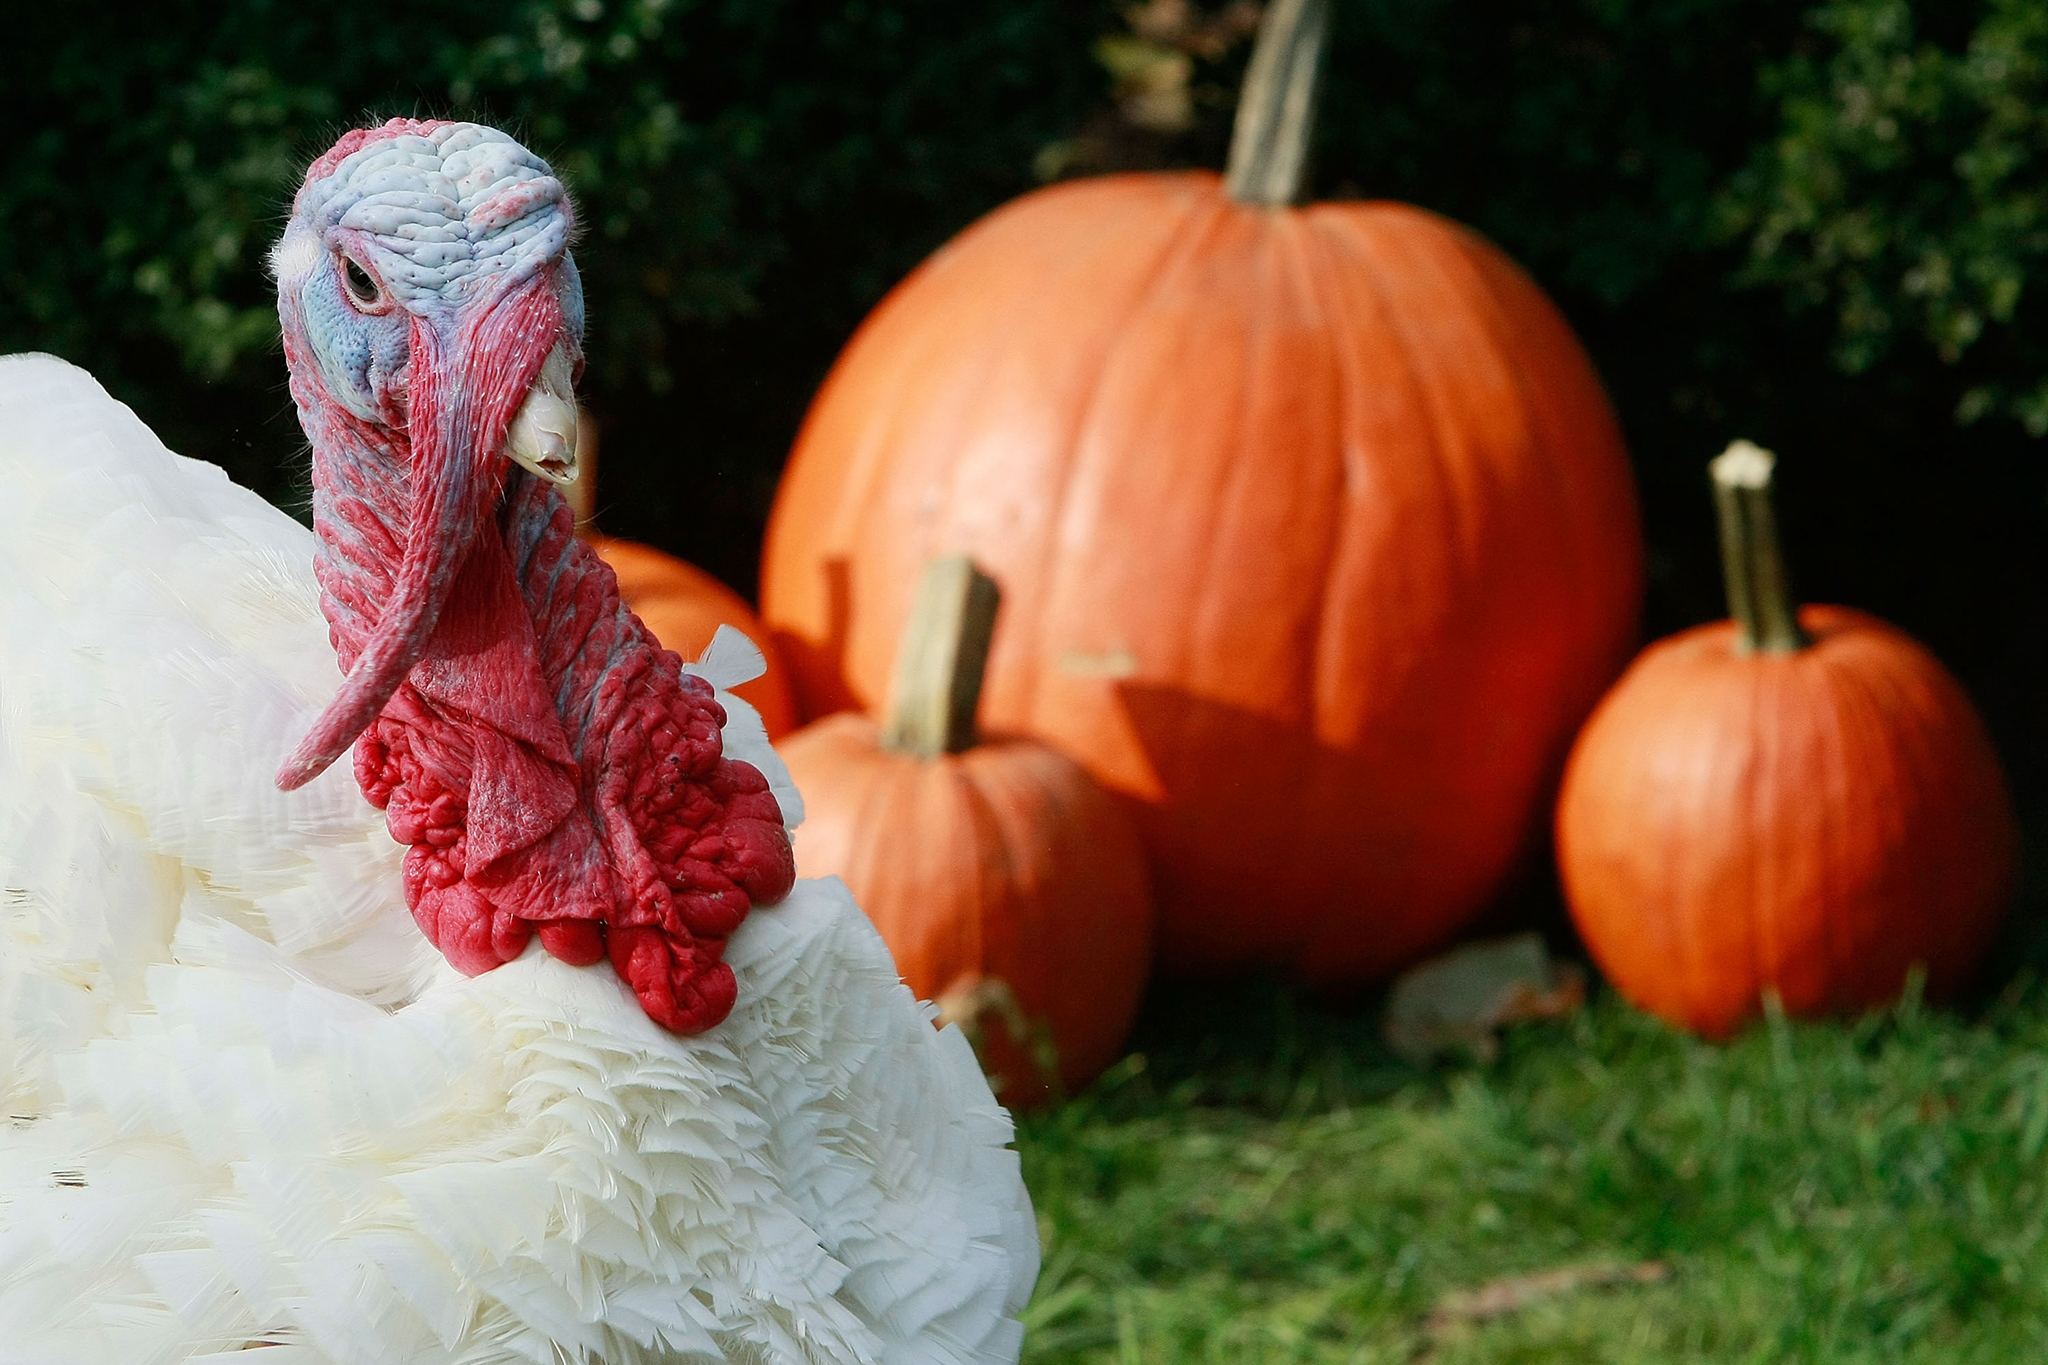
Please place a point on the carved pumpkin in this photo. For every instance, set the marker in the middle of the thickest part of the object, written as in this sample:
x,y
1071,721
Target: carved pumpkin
x,y
1009,886
1317,533
1803,804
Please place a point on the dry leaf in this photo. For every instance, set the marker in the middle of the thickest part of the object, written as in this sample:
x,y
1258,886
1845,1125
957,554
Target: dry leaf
x,y
1458,1001
1512,1293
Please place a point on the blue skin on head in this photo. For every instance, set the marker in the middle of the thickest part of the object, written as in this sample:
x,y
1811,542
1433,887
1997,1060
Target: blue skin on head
x,y
362,357
417,226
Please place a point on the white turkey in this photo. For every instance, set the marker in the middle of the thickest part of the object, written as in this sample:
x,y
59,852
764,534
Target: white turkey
x,y
531,1067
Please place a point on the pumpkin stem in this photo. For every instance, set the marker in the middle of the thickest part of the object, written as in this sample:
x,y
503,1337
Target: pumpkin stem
x,y
1758,596
939,664
1276,110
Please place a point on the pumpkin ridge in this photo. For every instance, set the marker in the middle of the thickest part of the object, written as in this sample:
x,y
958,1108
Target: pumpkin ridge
x,y
1198,624
1341,234
1695,930
1039,799
997,864
1450,260
1178,246
1806,855
1481,298
1353,226
1911,761
935,788
1301,257
1837,840
1516,330
1870,700
1436,476
1877,695
1384,247
1679,929
1732,766
856,733
1895,688
1670,934
1207,634
1465,480
1723,767
1194,208
1766,760
1316,263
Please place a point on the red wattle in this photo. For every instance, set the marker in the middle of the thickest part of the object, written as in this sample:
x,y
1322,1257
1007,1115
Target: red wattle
x,y
680,982
665,844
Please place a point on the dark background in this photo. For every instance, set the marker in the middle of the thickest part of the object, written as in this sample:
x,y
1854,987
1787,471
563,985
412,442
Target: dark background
x,y
1820,227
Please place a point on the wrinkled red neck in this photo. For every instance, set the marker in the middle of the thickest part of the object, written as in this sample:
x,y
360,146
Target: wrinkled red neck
x,y
551,768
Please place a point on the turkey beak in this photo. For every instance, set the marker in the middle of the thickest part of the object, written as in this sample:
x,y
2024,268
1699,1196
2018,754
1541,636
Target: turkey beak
x,y
542,436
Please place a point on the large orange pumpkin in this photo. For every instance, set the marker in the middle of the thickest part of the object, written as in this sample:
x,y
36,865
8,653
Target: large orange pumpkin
x,y
1808,805
1008,885
1316,530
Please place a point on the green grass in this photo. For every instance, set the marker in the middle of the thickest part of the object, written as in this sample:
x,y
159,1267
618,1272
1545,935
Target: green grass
x,y
1262,1182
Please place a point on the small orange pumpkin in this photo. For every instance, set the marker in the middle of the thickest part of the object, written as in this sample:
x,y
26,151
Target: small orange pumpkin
x,y
1807,805
1010,887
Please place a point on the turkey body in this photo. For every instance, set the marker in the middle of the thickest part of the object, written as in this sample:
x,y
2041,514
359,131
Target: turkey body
x,y
248,1106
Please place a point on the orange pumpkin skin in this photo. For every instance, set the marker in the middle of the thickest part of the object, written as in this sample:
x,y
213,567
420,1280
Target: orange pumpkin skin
x,y
1003,862
1817,822
1316,537
684,607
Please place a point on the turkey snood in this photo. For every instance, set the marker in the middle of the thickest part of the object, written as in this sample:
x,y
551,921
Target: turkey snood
x,y
552,769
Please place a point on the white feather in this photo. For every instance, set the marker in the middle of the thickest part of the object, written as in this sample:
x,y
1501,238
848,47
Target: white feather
x,y
729,660
252,1108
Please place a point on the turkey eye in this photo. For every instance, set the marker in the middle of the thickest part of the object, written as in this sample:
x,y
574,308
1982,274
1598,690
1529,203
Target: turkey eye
x,y
361,287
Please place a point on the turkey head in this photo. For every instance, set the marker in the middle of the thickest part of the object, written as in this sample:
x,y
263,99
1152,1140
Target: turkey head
x,y
552,769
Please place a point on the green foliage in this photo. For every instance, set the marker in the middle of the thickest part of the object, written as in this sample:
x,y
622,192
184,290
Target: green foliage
x,y
1264,1184
1905,194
